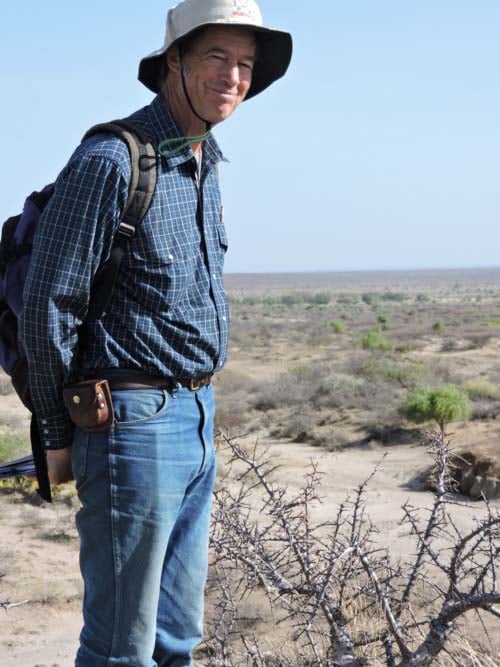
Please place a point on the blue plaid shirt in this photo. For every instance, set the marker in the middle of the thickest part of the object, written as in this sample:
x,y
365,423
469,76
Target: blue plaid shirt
x,y
169,314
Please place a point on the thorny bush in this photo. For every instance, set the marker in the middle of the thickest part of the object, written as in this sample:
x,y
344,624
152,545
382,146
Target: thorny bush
x,y
285,591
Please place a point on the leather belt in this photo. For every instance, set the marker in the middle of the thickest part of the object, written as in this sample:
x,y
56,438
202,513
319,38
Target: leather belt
x,y
144,381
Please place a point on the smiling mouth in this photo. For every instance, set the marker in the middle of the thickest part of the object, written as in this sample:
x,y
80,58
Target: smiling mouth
x,y
224,93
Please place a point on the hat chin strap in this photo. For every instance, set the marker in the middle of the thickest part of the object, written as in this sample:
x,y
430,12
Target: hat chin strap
x,y
184,86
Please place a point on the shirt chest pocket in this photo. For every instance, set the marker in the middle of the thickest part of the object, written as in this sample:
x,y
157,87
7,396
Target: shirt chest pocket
x,y
161,268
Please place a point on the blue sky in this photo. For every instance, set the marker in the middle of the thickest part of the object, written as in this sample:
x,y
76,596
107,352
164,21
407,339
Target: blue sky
x,y
379,150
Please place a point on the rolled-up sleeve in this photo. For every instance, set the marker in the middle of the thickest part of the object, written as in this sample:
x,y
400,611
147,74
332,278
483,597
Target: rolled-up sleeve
x,y
74,236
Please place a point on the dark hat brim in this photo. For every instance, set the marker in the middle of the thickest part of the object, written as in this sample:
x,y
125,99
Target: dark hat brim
x,y
274,55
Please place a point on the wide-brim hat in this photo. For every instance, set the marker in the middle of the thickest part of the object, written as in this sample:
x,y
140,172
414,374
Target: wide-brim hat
x,y
274,46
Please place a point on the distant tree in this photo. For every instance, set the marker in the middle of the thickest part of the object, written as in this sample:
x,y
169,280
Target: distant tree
x,y
338,327
292,299
384,321
321,298
438,327
393,296
443,404
370,298
375,341
347,299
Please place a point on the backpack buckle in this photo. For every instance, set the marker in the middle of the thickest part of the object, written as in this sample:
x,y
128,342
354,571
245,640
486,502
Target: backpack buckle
x,y
125,230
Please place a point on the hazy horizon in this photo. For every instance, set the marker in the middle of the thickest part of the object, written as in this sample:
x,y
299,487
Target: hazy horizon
x,y
430,269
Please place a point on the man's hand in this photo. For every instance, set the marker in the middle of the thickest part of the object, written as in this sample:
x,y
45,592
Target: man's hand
x,y
59,465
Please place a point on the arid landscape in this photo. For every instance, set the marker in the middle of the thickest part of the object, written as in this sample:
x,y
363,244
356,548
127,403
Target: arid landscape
x,y
320,373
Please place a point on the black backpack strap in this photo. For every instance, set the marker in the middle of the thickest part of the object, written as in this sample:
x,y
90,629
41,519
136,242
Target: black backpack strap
x,y
142,186
7,242
40,461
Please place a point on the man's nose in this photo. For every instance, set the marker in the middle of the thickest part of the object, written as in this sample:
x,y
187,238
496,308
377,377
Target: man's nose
x,y
232,74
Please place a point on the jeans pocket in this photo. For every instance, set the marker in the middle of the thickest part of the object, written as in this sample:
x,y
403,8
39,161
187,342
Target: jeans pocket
x,y
138,406
79,454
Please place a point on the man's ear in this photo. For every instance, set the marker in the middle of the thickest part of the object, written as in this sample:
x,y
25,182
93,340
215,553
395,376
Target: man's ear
x,y
173,59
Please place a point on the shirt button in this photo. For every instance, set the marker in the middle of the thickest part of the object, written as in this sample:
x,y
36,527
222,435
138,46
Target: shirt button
x,y
47,443
214,276
224,318
44,421
46,431
171,257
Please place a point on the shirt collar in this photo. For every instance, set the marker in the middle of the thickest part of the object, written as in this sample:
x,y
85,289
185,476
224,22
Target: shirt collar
x,y
164,127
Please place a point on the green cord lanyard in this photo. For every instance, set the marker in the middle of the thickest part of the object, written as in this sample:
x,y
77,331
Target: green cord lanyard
x,y
179,144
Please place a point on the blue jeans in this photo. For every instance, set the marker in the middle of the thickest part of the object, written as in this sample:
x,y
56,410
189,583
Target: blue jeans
x,y
145,488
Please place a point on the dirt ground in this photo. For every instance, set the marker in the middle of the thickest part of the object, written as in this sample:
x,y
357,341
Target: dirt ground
x,y
39,552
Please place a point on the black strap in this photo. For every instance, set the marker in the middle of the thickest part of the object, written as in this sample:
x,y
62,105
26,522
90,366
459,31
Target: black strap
x,y
8,243
141,190
40,461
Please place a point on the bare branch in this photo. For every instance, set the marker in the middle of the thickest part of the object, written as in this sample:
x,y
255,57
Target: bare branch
x,y
10,605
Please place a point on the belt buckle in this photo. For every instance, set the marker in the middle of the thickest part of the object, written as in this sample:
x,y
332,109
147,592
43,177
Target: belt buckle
x,y
195,384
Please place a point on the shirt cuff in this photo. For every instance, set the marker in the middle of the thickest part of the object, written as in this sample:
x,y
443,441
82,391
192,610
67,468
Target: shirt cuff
x,y
56,431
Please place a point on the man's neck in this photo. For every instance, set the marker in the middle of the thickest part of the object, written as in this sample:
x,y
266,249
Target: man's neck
x,y
187,122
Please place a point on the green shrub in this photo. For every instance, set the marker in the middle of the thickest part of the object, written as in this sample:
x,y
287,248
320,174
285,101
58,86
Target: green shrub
x,y
438,327
348,299
375,341
248,300
406,374
393,296
379,370
495,322
370,298
384,321
292,299
339,389
443,404
319,298
338,327
13,444
478,390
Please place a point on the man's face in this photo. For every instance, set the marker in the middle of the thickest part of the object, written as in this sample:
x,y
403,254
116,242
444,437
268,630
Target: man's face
x,y
218,70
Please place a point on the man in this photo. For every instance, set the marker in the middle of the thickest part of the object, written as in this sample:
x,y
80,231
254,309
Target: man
x,y
145,485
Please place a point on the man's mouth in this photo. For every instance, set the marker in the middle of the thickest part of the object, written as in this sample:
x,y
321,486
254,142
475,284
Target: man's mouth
x,y
226,94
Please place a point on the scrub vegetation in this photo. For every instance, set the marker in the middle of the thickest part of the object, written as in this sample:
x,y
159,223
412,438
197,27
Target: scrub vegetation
x,y
341,366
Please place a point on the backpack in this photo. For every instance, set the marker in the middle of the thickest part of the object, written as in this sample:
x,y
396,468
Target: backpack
x,y
15,253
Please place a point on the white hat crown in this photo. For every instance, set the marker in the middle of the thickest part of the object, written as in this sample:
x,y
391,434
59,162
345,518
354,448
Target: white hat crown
x,y
190,14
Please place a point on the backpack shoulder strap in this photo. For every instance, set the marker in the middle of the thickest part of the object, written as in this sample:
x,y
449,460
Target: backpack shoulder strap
x,y
143,162
143,170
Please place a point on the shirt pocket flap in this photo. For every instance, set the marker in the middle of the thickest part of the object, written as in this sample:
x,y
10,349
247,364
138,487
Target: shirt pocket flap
x,y
221,230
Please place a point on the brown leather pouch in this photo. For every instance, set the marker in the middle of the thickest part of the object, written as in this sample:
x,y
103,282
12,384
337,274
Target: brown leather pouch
x,y
89,405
